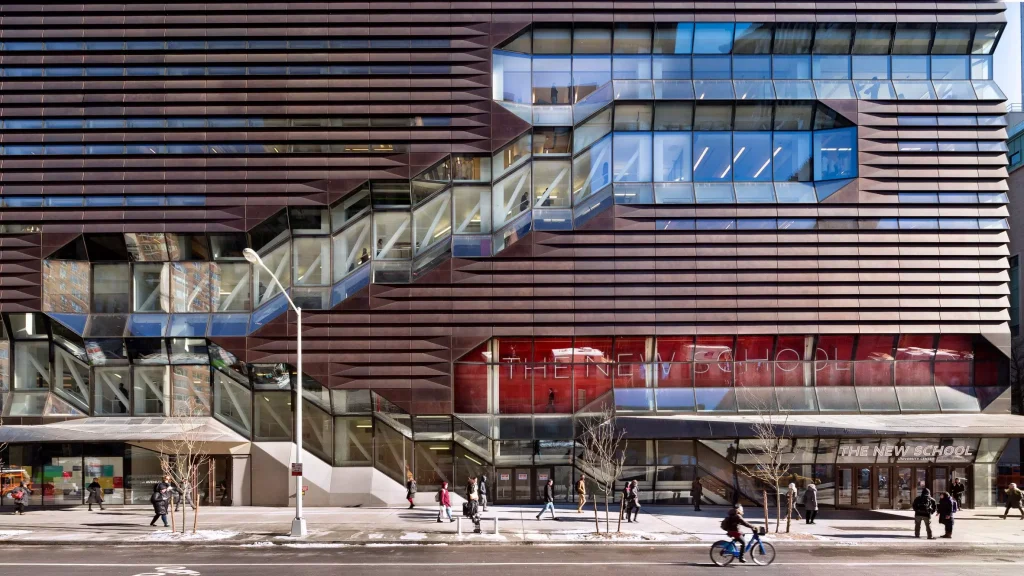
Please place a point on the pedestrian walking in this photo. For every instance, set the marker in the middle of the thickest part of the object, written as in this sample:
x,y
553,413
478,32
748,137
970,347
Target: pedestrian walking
x,y
471,507
444,499
1014,499
160,500
924,507
549,499
410,491
581,492
795,492
811,503
482,488
957,491
163,484
20,496
184,494
947,509
95,494
632,501
696,494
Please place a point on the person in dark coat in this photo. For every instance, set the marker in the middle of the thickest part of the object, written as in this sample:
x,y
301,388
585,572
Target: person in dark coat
x,y
549,499
632,501
957,491
482,488
924,507
410,491
696,494
163,484
95,494
811,503
160,500
947,508
20,496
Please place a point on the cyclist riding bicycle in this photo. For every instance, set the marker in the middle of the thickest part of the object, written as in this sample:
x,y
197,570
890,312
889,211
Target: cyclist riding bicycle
x,y
732,524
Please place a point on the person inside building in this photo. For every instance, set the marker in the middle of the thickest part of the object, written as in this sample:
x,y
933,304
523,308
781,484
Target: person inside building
x,y
957,491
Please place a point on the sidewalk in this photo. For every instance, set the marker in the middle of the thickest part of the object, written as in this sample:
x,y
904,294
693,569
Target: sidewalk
x,y
379,526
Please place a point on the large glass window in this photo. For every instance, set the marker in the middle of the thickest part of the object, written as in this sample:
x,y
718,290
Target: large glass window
x,y
31,365
110,288
791,156
472,209
589,73
551,184
672,157
433,222
273,416
632,157
712,38
511,196
712,156
151,391
392,232
151,289
835,154
232,403
552,79
72,378
591,171
511,77
671,38
278,261
752,156
312,259
112,394
353,441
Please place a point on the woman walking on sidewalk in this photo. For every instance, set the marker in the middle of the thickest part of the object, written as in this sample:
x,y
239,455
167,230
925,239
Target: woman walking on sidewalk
x,y
444,499
160,500
947,508
811,503
20,496
410,491
95,494
795,494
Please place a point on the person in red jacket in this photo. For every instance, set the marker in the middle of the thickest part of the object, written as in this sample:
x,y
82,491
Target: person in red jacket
x,y
444,499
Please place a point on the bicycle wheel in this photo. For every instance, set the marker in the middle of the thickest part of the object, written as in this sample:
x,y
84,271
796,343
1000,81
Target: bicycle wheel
x,y
762,553
722,553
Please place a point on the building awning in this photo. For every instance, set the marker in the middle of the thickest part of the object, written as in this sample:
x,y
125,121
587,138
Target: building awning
x,y
824,425
100,429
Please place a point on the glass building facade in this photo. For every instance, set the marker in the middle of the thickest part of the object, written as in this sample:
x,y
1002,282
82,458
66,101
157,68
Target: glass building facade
x,y
498,228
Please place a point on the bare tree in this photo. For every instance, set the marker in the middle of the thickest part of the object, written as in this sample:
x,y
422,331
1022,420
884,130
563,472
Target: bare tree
x,y
183,455
604,454
770,458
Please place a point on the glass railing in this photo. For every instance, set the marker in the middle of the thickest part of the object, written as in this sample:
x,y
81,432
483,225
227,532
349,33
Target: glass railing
x,y
513,232
355,281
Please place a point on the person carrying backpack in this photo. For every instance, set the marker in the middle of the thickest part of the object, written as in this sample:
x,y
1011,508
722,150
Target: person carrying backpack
x,y
924,507
20,496
731,524
1014,499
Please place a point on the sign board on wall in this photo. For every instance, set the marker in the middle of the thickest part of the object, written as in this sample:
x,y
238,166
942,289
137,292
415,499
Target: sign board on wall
x,y
905,453
504,477
296,469
523,477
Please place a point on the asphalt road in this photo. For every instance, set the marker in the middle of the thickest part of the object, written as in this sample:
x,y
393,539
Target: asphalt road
x,y
589,560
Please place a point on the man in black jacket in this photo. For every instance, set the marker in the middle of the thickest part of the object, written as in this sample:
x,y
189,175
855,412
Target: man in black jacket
x,y
924,508
549,499
957,491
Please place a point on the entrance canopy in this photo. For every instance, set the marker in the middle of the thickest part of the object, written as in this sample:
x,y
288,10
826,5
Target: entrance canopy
x,y
120,430
814,425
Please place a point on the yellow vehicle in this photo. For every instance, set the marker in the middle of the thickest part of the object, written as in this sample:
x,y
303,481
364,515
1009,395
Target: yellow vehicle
x,y
11,478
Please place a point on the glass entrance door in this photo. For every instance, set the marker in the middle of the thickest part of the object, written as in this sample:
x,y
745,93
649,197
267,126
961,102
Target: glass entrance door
x,y
503,486
939,477
862,496
522,486
883,488
904,488
844,488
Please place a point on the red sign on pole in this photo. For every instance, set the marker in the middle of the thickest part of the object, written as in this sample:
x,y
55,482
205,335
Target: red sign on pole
x,y
296,469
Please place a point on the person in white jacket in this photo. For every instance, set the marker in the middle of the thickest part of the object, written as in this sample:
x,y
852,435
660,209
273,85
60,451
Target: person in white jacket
x,y
795,492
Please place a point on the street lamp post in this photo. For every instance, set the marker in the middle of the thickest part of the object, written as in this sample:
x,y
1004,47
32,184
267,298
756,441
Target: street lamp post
x,y
298,523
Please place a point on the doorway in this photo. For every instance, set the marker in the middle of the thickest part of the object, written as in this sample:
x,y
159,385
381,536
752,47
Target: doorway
x,y
521,484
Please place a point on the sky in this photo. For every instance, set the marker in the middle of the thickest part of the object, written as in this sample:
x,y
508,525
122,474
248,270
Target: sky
x,y
1007,56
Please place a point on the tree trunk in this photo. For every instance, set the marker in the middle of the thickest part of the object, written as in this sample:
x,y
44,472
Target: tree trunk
x,y
778,510
764,504
184,506
622,508
597,519
789,510
170,509
195,513
607,523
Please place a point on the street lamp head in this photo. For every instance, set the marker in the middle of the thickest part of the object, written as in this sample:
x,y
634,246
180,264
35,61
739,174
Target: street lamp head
x,y
252,257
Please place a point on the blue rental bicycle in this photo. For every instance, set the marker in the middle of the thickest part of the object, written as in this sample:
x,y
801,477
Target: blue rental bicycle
x,y
762,553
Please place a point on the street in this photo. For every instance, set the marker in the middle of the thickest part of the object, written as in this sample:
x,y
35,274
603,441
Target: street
x,y
324,559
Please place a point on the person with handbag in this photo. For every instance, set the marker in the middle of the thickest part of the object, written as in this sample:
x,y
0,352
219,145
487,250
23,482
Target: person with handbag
x,y
947,508
471,508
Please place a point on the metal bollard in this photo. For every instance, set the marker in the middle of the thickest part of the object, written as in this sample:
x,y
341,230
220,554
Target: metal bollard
x,y
495,524
458,525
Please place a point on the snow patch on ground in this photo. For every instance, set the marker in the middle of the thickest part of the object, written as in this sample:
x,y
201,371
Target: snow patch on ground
x,y
413,536
614,537
375,536
317,545
11,533
188,536
309,534
258,545
395,544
